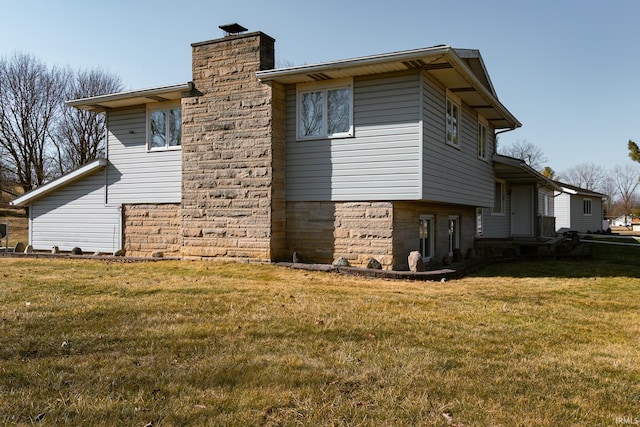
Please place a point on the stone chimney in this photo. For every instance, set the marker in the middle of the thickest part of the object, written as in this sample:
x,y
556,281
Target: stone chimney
x,y
233,202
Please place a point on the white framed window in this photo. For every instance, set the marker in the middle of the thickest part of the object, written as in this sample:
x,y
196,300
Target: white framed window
x,y
426,236
325,109
546,205
452,124
164,127
586,207
479,222
454,233
482,139
499,198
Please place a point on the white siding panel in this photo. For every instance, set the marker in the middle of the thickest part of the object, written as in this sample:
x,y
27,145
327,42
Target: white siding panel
x,y
76,215
562,206
380,163
135,175
453,174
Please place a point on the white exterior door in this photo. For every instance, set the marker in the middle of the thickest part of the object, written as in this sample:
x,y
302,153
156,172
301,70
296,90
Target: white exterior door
x,y
522,211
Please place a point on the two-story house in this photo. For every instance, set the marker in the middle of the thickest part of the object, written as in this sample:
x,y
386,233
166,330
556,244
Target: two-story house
x,y
375,156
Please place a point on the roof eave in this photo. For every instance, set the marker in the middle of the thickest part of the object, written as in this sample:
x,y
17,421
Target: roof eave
x,y
486,93
521,164
313,69
428,59
155,94
50,187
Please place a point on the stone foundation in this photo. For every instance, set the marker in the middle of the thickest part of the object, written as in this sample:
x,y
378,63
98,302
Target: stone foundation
x,y
323,231
407,227
152,228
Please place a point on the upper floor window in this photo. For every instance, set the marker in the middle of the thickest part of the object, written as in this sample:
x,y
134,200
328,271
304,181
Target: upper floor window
x,y
586,206
165,128
325,110
482,140
453,120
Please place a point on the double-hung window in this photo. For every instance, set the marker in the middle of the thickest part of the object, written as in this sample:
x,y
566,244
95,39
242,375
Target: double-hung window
x,y
325,109
482,139
586,207
499,198
452,123
164,128
426,236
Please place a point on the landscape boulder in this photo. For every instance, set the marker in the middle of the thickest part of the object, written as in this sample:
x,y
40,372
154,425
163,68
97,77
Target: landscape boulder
x,y
341,262
374,264
416,264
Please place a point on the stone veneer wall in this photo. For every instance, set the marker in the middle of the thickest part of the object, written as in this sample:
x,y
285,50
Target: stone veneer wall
x,y
323,231
150,228
232,180
406,226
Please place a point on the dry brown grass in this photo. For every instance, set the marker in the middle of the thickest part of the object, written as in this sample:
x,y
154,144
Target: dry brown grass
x,y
189,343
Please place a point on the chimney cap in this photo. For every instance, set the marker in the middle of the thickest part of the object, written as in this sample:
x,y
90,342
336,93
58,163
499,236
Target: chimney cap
x,y
232,29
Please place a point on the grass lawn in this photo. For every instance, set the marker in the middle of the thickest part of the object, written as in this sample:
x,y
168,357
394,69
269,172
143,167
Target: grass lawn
x,y
188,343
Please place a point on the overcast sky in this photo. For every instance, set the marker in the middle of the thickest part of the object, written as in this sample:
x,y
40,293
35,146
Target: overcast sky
x,y
567,69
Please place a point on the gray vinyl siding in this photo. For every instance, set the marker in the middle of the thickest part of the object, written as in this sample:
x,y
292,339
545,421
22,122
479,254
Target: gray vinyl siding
x,y
497,226
135,175
381,161
454,174
76,215
581,222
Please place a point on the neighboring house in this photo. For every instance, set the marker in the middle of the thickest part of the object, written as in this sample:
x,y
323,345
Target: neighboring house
x,y
579,210
621,221
368,157
635,224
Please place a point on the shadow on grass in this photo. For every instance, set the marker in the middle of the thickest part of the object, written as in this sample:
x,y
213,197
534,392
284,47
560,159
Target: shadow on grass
x,y
607,261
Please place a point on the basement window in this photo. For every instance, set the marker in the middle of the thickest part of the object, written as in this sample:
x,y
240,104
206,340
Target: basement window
x,y
164,128
325,109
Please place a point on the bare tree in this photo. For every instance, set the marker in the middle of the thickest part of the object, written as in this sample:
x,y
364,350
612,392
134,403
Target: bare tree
x,y
30,103
80,134
586,175
625,180
608,188
527,151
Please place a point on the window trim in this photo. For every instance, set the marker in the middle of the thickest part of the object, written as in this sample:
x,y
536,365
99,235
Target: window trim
x,y
454,234
163,106
325,87
546,204
503,201
587,207
479,222
431,239
452,99
483,131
